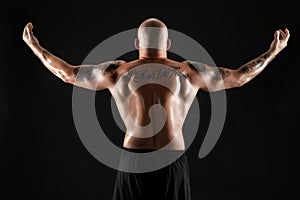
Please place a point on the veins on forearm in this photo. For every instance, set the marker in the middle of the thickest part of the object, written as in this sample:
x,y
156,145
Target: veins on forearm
x,y
257,63
45,55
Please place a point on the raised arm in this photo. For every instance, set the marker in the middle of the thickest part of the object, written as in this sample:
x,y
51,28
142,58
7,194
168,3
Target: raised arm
x,y
94,77
212,79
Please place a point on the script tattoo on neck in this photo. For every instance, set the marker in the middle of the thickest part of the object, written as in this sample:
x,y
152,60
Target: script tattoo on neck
x,y
257,63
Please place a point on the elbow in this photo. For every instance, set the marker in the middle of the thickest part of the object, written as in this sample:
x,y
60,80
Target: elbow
x,y
67,77
66,80
240,82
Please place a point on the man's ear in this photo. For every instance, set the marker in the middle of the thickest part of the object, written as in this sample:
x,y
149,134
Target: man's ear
x,y
168,44
136,43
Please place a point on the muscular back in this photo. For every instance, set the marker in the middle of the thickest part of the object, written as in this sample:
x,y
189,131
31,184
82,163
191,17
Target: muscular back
x,y
153,97
141,91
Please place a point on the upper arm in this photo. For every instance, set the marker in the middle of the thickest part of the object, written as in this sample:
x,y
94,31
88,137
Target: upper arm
x,y
212,79
95,77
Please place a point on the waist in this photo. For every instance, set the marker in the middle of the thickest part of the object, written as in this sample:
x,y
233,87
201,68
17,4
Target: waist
x,y
163,140
146,150
146,160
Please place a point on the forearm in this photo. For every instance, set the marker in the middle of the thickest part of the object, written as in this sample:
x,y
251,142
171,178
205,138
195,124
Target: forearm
x,y
251,69
57,66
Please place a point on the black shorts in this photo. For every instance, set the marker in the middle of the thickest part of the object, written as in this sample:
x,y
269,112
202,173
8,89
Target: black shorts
x,y
168,183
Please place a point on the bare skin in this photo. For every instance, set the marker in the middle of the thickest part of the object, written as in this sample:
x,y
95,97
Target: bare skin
x,y
184,79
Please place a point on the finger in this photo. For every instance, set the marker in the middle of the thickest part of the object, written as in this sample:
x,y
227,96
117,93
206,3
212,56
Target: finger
x,y
28,33
30,26
287,33
282,33
25,36
25,31
276,35
29,30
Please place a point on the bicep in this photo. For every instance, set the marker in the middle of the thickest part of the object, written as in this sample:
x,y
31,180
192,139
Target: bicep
x,y
220,78
88,76
94,77
210,79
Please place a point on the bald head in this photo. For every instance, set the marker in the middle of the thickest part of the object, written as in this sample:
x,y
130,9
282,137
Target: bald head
x,y
153,34
153,22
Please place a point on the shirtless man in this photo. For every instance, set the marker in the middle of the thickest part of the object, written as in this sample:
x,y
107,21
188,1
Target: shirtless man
x,y
120,78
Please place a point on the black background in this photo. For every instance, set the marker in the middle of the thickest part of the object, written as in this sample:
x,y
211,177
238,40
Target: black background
x,y
42,156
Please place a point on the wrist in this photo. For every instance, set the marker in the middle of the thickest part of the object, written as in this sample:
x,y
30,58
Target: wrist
x,y
272,53
36,48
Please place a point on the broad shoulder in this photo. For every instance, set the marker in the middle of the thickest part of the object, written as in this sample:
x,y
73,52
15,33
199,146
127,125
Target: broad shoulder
x,y
195,66
112,66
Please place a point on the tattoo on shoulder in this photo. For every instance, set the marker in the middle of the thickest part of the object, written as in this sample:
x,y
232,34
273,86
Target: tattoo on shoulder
x,y
86,73
197,66
113,65
224,73
90,72
219,73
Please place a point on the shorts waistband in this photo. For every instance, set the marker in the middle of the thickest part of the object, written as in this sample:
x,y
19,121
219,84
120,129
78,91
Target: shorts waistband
x,y
151,150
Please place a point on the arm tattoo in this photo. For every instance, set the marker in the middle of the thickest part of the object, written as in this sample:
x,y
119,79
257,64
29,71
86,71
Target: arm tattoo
x,y
90,72
86,73
197,66
257,63
224,73
219,73
111,67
